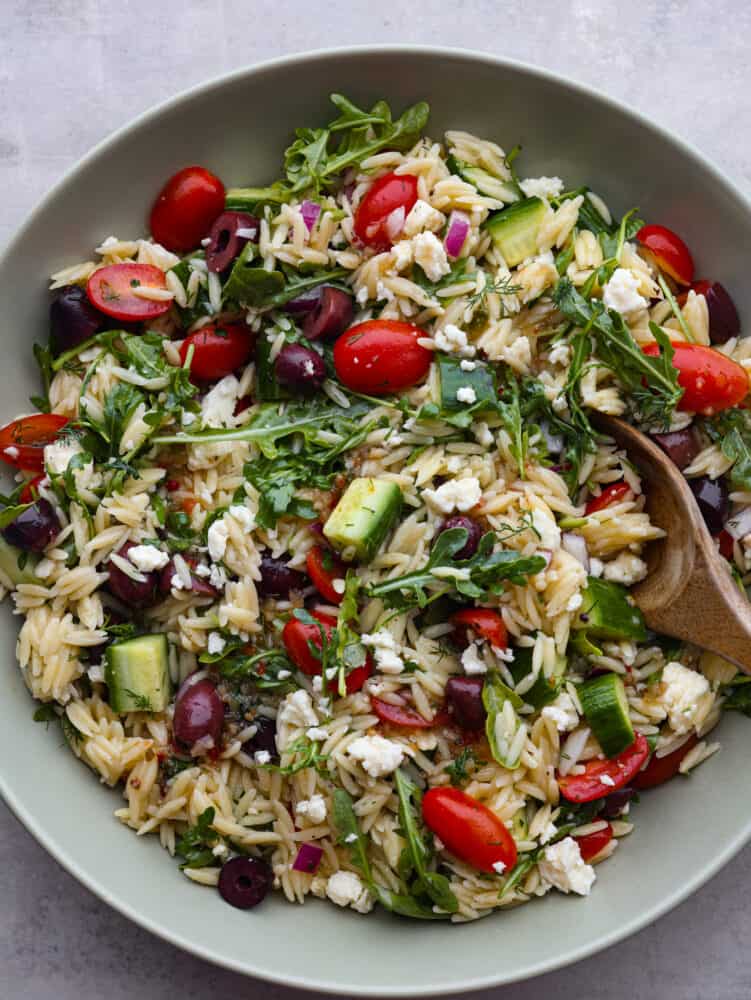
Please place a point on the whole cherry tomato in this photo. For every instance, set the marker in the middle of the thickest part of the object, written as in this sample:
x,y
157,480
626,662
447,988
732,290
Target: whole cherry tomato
x,y
611,494
30,492
469,830
22,441
486,623
381,356
113,289
402,715
591,844
711,382
381,213
620,770
185,208
670,252
323,568
661,769
218,350
297,637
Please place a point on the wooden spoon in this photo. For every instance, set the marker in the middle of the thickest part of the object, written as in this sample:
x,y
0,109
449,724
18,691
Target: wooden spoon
x,y
689,593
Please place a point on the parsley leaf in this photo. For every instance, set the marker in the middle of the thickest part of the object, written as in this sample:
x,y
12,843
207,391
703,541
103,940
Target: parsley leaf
x,y
195,845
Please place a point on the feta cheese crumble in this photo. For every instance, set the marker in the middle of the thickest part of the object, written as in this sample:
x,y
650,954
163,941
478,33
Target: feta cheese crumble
x,y
562,712
313,809
466,394
622,292
625,568
218,405
452,340
472,661
431,256
456,494
377,755
499,867
683,689
386,651
563,868
541,187
346,889
423,216
58,454
216,643
147,558
548,531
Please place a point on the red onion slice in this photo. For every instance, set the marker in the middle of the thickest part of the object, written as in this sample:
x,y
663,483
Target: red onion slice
x,y
308,859
576,546
310,212
459,225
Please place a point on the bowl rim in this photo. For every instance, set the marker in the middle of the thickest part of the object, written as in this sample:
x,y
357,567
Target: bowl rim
x,y
46,838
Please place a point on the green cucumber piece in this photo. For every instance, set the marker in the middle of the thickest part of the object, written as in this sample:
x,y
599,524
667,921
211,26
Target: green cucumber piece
x,y
606,613
137,674
605,706
364,516
545,689
9,564
503,726
514,230
453,378
485,182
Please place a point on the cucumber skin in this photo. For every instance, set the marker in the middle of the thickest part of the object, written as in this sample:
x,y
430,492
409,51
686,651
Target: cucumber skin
x,y
452,378
9,556
605,707
607,613
366,542
121,693
545,689
514,229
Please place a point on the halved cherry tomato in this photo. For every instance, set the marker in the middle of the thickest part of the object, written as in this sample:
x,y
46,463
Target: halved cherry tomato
x,y
670,252
218,350
611,494
381,356
402,715
662,769
591,844
469,829
297,636
30,492
185,208
621,769
725,541
112,290
381,213
22,441
484,622
323,568
710,380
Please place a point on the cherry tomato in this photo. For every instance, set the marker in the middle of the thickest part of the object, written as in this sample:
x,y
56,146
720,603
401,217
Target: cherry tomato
x,y
381,356
185,209
218,350
726,543
22,442
611,494
296,637
621,770
323,568
30,492
661,769
670,252
469,829
112,290
402,715
484,622
591,844
711,381
381,213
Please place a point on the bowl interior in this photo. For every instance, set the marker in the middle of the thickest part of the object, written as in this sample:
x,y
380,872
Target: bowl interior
x,y
239,127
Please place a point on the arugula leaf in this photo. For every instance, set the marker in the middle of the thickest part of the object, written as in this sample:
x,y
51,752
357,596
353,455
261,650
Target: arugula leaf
x,y
196,843
307,753
45,713
262,667
202,305
43,357
731,429
249,282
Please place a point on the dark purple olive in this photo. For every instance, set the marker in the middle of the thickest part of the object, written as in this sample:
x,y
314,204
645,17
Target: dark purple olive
x,y
73,319
277,579
34,528
134,593
302,304
464,700
264,739
331,316
300,368
616,802
199,714
681,447
714,504
724,322
226,243
198,584
474,534
244,882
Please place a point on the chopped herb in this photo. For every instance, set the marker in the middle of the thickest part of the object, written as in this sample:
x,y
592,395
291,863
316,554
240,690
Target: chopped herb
x,y
195,845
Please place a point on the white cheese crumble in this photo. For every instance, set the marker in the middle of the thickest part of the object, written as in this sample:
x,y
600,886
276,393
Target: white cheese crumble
x,y
58,454
216,643
313,809
466,394
386,651
401,254
483,434
682,690
218,405
467,366
147,558
216,538
315,732
456,494
377,755
423,216
562,712
346,889
548,531
563,868
431,256
244,517
499,867
295,712
541,187
625,568
472,661
452,340
622,292
262,757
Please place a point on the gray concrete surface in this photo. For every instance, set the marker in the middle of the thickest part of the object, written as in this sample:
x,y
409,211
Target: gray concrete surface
x,y
71,71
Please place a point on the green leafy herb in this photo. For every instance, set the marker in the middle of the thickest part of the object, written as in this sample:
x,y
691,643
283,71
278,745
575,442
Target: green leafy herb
x,y
43,357
305,753
731,429
195,845
45,713
738,695
458,769
502,726
262,667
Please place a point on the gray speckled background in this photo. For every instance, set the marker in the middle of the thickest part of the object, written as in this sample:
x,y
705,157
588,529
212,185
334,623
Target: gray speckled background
x,y
71,71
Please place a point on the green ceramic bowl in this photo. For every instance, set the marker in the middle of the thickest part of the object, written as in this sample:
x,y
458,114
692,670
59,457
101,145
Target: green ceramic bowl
x,y
238,127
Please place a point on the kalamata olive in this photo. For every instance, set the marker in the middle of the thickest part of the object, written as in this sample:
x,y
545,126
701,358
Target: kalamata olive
x,y
474,534
681,447
277,579
464,700
714,504
264,739
199,714
73,319
331,316
724,322
300,368
134,593
34,528
229,234
198,584
616,802
302,304
244,882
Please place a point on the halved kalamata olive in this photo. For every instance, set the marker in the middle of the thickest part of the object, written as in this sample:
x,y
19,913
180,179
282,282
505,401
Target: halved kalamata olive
x,y
714,504
34,528
277,579
300,368
616,802
724,322
474,534
304,303
199,714
198,584
244,882
464,700
135,593
331,316
73,319
681,447
229,234
264,739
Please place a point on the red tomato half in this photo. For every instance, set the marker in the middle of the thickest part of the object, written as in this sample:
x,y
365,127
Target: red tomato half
x,y
112,290
662,769
323,568
407,718
621,770
469,829
381,213
218,350
30,492
611,494
185,209
670,252
711,381
484,622
592,843
22,442
381,356
296,637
